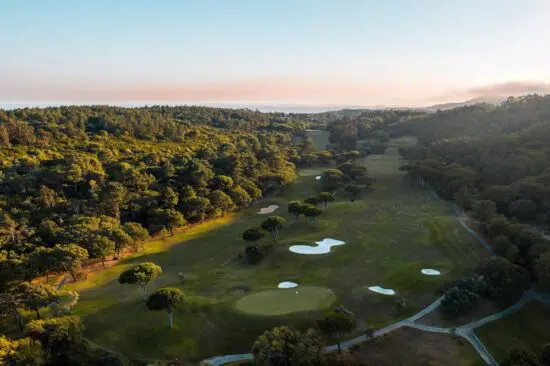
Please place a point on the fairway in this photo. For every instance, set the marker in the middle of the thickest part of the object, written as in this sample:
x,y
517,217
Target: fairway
x,y
391,234
280,302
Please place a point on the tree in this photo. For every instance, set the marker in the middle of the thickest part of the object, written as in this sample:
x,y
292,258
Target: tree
x,y
168,198
221,200
484,210
336,324
23,352
295,208
253,254
282,346
353,191
119,237
169,218
273,224
506,282
9,308
59,336
520,357
137,232
313,200
459,301
544,358
542,271
166,299
33,296
253,234
312,212
69,257
101,247
332,179
240,197
326,197
140,274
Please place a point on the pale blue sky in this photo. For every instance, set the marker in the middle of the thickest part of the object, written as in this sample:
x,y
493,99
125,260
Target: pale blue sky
x,y
361,52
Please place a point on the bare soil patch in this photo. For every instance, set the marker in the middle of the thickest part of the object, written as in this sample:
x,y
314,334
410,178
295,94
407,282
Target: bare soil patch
x,y
409,346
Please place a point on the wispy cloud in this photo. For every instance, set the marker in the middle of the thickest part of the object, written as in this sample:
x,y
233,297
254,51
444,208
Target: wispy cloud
x,y
494,91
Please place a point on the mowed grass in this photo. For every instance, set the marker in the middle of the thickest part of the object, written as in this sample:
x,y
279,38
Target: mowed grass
x,y
281,302
319,139
391,233
529,328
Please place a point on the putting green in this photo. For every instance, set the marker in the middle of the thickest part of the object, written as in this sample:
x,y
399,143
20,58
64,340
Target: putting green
x,y
286,301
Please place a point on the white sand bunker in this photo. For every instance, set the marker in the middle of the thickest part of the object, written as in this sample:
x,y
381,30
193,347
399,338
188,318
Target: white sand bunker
x,y
381,290
318,177
430,272
269,209
323,247
287,284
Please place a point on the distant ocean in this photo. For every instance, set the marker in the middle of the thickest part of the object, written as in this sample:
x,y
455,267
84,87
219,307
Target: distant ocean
x,y
286,108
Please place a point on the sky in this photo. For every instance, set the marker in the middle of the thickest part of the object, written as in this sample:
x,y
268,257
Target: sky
x,y
291,52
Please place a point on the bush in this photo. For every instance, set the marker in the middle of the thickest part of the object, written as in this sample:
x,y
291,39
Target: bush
x,y
520,357
253,254
459,301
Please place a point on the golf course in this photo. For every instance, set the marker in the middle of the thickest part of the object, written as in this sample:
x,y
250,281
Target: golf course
x,y
391,233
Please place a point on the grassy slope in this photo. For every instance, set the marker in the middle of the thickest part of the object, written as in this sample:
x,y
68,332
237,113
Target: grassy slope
x,y
529,328
392,233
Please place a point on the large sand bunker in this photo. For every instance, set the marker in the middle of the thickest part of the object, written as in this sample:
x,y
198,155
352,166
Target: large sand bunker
x,y
323,247
269,209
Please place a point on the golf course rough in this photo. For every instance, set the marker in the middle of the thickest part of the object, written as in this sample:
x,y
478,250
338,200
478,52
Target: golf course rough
x,y
286,301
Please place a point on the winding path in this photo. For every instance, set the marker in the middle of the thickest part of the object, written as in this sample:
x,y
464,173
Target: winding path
x,y
465,331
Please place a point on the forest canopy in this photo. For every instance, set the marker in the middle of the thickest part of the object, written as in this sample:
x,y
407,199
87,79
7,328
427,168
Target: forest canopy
x,y
90,181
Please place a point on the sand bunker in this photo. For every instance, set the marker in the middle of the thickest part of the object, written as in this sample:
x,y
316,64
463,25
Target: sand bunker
x,y
323,247
381,290
287,284
269,209
430,272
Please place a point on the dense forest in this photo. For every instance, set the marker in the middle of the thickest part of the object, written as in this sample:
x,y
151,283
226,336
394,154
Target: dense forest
x,y
90,182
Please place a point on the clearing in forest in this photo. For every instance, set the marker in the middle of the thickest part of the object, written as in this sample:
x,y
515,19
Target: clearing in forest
x,y
391,233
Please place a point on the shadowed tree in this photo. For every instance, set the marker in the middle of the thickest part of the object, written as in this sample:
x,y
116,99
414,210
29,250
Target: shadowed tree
x,y
166,299
326,197
520,357
294,208
9,308
337,323
253,234
312,212
273,224
282,346
313,200
33,296
140,274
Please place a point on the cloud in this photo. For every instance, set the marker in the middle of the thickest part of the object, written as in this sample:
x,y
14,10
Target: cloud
x,y
512,88
494,91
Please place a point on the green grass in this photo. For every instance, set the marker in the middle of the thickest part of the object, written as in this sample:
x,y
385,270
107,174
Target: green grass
x,y
281,302
391,233
319,139
528,328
